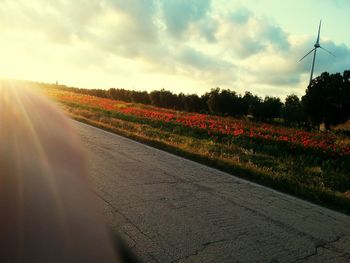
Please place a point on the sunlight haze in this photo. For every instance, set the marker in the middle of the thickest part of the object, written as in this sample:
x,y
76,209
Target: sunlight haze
x,y
184,46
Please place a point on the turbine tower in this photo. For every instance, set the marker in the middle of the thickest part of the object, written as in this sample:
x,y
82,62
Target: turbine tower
x,y
316,46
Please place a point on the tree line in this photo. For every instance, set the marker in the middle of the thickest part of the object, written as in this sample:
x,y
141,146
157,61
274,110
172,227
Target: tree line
x,y
327,100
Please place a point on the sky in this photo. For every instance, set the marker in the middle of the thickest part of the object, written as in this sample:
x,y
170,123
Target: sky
x,y
188,46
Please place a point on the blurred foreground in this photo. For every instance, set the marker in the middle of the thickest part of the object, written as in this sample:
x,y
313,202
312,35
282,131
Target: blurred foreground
x,y
48,213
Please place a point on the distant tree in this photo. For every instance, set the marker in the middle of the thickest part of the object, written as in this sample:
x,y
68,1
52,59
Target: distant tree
x,y
204,103
257,108
346,75
268,108
98,93
238,108
119,94
198,103
139,97
167,99
213,101
225,102
155,98
293,110
327,99
272,107
249,103
145,97
192,102
112,94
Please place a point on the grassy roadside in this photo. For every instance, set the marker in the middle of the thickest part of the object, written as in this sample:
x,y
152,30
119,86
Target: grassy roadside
x,y
289,174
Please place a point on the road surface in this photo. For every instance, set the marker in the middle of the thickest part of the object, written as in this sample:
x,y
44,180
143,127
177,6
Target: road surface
x,y
168,209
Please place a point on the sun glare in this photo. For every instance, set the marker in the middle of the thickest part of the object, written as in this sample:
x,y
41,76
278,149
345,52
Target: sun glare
x,y
43,188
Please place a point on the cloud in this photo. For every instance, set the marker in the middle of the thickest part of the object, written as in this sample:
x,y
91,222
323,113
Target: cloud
x,y
208,28
201,61
339,63
178,14
245,34
212,45
240,16
56,20
283,70
140,14
197,64
275,36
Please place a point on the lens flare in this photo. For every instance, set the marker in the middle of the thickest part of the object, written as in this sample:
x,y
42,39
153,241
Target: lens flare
x,y
47,209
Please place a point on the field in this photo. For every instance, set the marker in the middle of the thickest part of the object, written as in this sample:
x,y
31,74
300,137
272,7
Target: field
x,y
311,165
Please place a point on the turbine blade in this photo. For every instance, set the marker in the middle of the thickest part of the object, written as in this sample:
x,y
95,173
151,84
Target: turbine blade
x,y
319,30
327,51
307,54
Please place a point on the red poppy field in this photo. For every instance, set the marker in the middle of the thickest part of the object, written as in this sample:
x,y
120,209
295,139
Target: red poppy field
x,y
313,165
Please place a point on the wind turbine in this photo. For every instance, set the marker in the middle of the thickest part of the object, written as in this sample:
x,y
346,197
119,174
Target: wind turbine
x,y
316,46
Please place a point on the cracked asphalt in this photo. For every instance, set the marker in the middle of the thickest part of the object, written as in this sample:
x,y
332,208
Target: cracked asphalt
x,y
169,209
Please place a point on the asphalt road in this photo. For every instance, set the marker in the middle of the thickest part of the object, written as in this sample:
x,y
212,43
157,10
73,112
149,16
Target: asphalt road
x,y
169,209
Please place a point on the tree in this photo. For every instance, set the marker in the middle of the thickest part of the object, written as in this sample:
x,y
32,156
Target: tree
x,y
227,100
251,103
268,109
272,107
168,99
224,102
293,110
139,97
192,103
155,98
213,101
327,99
